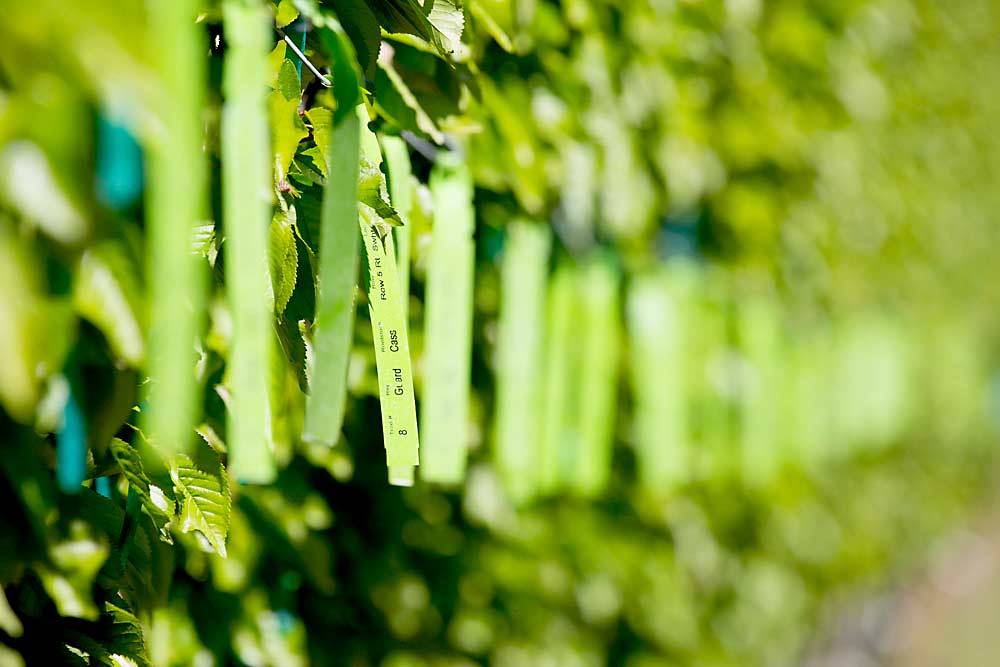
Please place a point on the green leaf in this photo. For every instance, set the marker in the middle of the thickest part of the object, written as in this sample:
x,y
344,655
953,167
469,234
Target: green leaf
x,y
115,641
284,257
403,16
439,23
398,101
275,59
124,641
129,569
321,120
360,24
372,192
154,502
288,81
347,77
29,185
444,408
448,20
287,128
37,330
106,293
285,13
203,499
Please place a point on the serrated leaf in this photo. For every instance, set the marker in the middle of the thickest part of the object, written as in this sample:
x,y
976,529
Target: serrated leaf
x,y
125,642
134,578
211,438
203,241
204,502
403,16
321,120
372,192
288,81
160,509
302,170
285,13
361,26
283,257
347,76
287,128
106,293
439,23
448,20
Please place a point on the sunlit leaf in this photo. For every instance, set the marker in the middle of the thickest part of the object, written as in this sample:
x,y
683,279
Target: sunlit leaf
x,y
203,501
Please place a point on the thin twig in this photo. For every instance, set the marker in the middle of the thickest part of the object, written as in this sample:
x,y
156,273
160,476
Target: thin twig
x,y
425,148
312,68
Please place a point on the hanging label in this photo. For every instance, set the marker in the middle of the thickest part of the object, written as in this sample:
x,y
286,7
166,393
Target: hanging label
x,y
392,349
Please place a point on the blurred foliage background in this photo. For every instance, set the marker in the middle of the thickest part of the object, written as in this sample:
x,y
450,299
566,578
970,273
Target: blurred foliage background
x,y
734,269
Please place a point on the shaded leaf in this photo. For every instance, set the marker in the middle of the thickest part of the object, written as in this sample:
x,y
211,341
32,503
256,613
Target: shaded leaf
x,y
360,24
75,563
125,639
396,99
154,502
107,293
283,256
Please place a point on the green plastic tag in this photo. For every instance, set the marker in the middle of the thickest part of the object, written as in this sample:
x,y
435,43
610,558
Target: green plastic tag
x,y
392,349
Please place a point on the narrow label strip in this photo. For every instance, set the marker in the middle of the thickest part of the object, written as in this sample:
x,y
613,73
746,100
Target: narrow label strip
x,y
519,357
448,325
333,328
246,175
560,404
392,349
598,380
657,318
390,334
